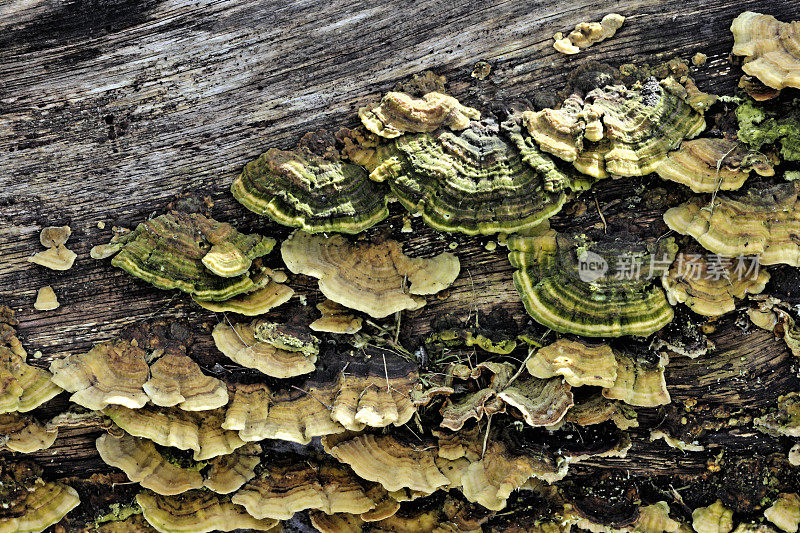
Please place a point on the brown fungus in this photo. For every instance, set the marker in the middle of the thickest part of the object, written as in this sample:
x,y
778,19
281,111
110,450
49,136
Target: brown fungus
x,y
197,512
761,220
24,434
239,344
709,165
366,276
336,319
288,485
398,113
771,48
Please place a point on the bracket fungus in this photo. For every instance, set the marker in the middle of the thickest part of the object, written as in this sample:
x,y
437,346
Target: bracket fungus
x,y
473,182
771,48
587,287
46,299
715,518
761,220
616,131
295,415
24,434
709,287
336,319
57,256
368,277
393,463
175,379
288,485
586,34
28,504
255,303
143,464
197,512
311,188
353,394
579,363
640,381
199,431
165,473
170,252
23,387
541,402
785,512
117,373
109,373
239,343
398,113
709,165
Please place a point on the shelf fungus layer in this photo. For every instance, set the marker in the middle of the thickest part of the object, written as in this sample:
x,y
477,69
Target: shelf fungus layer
x,y
395,464
368,277
270,295
311,188
117,373
197,512
239,343
762,220
579,363
709,285
617,131
167,472
208,259
398,113
709,165
540,402
291,484
592,287
640,380
23,387
24,434
349,393
771,48
473,182
30,504
201,432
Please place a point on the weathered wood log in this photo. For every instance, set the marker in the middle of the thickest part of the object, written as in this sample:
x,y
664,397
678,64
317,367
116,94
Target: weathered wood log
x,y
110,109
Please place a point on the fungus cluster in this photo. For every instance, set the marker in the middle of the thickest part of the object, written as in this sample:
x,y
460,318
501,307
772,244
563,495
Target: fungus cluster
x,y
343,420
56,256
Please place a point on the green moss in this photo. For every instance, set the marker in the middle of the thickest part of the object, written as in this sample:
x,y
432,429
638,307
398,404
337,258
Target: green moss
x,y
763,124
117,513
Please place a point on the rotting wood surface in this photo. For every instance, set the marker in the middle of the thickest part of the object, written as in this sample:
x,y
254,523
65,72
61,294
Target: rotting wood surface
x,y
109,109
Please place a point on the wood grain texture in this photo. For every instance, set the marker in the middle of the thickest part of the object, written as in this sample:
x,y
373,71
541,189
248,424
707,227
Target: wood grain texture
x,y
109,109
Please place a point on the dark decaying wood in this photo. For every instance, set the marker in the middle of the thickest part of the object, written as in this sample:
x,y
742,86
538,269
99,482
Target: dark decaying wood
x,y
109,109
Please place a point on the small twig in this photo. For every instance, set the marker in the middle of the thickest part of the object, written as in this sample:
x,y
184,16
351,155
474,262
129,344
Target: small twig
x,y
599,212
486,437
328,407
717,181
521,368
386,373
234,329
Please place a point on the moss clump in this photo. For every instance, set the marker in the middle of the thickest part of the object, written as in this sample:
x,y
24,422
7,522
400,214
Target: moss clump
x,y
762,124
